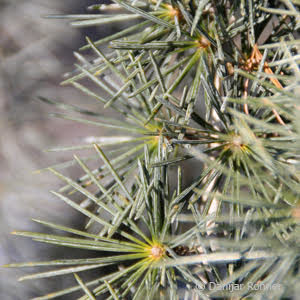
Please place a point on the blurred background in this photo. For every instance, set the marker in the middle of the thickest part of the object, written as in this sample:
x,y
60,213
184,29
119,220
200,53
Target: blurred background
x,y
34,54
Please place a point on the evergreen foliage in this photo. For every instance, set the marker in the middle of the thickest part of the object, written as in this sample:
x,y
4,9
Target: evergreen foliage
x,y
214,81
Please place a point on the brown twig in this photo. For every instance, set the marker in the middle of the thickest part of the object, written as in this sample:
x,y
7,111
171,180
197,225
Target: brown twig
x,y
250,64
